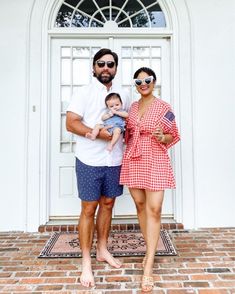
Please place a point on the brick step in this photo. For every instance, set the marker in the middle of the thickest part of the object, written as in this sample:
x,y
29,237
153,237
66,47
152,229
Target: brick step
x,y
204,264
74,228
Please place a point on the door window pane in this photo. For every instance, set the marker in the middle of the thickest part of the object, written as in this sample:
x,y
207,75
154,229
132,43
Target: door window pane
x,y
76,71
141,51
81,71
64,16
127,72
156,51
156,65
65,97
65,52
143,62
65,71
65,136
128,13
81,52
126,51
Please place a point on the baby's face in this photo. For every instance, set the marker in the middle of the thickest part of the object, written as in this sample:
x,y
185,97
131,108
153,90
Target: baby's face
x,y
114,104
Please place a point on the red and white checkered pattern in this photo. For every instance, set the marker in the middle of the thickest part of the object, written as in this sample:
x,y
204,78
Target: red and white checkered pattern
x,y
146,163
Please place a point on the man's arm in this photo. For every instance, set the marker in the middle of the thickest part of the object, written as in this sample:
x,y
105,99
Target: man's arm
x,y
75,126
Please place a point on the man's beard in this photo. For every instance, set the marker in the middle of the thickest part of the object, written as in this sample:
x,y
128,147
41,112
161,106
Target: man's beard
x,y
105,79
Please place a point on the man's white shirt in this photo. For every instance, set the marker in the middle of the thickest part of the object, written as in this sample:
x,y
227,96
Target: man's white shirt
x,y
89,103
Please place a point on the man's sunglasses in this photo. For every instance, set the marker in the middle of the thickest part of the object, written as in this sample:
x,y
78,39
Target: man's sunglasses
x,y
101,63
148,80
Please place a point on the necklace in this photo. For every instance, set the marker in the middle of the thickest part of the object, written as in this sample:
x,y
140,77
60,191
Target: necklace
x,y
145,102
144,105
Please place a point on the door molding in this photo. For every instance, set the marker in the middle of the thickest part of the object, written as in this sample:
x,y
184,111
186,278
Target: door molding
x,y
38,84
63,199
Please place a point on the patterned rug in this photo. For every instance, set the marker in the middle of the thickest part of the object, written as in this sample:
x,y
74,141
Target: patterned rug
x,y
121,243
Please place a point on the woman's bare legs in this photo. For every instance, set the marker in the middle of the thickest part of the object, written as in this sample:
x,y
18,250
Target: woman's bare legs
x,y
139,198
154,202
149,207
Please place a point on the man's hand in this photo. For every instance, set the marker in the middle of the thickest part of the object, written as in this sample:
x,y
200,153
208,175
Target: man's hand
x,y
104,134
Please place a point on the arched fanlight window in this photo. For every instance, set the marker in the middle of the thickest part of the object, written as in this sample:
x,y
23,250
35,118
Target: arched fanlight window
x,y
117,13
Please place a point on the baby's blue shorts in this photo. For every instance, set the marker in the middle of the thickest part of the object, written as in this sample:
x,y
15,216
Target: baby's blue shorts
x,y
96,181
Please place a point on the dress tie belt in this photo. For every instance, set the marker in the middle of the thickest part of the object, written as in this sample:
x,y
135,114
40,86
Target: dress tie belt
x,y
135,149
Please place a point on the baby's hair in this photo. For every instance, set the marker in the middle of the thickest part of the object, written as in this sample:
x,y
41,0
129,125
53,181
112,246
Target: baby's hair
x,y
110,96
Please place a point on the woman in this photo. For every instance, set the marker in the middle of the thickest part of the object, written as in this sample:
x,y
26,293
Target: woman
x,y
146,168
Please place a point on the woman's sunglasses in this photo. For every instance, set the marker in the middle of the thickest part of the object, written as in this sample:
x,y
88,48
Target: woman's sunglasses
x,y
148,80
101,63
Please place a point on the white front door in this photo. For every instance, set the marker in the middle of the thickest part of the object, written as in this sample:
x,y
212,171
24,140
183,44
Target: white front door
x,y
71,67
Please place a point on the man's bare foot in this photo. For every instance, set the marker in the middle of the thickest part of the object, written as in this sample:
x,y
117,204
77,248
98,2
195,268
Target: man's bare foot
x,y
104,255
90,136
87,278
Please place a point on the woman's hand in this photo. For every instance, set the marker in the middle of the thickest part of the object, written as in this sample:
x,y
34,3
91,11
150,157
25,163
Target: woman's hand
x,y
158,133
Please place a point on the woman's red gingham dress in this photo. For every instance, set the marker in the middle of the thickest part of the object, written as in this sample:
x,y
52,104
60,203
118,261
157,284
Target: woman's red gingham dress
x,y
146,163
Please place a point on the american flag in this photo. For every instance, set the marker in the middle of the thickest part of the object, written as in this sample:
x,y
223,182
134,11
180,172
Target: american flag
x,y
168,119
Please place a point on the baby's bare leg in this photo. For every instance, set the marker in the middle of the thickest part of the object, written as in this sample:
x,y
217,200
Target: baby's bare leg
x,y
94,133
115,137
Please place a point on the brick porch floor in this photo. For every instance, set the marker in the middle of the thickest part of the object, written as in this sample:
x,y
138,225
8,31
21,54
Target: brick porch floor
x,y
205,264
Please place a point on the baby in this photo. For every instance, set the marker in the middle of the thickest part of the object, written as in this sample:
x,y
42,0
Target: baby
x,y
115,117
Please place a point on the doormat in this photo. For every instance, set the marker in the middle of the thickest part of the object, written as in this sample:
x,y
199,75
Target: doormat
x,y
121,243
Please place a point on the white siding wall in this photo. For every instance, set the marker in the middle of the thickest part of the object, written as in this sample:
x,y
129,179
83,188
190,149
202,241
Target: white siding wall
x,y
213,64
13,27
214,110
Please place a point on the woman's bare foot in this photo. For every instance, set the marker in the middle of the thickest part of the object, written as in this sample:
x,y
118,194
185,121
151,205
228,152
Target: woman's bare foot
x,y
144,261
104,255
87,278
147,284
147,278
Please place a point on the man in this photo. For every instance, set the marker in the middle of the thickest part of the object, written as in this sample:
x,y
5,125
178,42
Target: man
x,y
97,169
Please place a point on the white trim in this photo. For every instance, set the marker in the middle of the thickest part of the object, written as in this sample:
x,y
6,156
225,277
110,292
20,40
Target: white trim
x,y
36,184
175,87
74,32
26,127
183,77
193,107
51,12
45,127
167,10
37,165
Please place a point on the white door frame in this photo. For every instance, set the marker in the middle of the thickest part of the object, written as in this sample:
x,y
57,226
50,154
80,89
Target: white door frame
x,y
38,89
63,191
